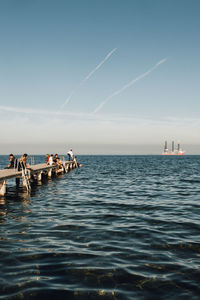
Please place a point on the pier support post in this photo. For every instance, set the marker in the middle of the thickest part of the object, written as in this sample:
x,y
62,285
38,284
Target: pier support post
x,y
49,173
2,188
75,164
39,176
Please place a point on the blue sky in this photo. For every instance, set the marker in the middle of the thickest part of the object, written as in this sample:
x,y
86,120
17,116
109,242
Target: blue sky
x,y
49,47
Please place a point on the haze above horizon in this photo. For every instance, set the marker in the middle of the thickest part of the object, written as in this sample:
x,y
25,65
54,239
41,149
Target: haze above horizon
x,y
85,74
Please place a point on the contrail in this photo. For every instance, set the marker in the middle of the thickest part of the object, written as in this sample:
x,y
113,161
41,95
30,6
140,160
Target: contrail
x,y
67,100
128,85
88,76
99,65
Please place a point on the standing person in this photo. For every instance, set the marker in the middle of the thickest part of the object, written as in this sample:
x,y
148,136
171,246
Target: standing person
x,y
47,159
51,160
70,154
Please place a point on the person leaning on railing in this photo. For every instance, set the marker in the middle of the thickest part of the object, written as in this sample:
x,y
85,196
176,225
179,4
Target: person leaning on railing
x,y
23,162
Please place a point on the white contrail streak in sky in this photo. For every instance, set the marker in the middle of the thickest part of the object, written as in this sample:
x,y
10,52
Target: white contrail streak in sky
x,y
67,100
99,65
128,85
88,76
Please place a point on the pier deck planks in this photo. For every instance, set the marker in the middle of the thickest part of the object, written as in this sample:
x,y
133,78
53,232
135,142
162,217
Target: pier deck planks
x,y
9,173
35,170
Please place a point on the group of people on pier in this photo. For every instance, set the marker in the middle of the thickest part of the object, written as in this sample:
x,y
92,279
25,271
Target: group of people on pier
x,y
21,163
55,159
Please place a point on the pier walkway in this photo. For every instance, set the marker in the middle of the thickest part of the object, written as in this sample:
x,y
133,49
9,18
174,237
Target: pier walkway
x,y
34,172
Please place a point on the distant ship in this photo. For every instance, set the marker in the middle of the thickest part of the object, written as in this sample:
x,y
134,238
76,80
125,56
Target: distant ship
x,y
174,151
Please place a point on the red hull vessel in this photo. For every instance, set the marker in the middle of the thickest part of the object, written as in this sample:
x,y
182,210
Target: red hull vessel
x,y
179,151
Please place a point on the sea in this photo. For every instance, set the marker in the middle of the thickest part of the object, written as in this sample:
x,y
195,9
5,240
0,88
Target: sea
x,y
119,227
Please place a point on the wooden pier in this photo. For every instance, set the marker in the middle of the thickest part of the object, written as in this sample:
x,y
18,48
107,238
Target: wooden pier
x,y
34,172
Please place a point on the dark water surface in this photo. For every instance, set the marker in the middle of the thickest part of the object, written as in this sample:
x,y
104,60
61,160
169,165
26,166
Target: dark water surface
x,y
121,227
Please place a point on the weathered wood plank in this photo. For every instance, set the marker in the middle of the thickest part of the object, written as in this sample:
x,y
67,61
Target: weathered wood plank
x,y
9,173
40,167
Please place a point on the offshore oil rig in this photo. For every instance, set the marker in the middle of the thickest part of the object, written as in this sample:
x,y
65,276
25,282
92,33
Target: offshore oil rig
x,y
174,151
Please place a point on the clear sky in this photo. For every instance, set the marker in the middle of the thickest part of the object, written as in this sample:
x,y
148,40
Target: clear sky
x,y
101,76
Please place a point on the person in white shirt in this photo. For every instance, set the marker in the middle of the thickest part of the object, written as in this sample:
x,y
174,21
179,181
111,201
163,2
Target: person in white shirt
x,y
50,162
70,154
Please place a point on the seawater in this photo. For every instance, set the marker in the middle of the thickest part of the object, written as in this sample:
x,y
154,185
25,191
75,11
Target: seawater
x,y
120,227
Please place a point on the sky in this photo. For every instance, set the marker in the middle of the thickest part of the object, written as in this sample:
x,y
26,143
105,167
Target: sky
x,y
99,76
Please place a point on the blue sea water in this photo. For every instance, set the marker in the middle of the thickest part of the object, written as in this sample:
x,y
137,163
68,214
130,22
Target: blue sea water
x,y
120,227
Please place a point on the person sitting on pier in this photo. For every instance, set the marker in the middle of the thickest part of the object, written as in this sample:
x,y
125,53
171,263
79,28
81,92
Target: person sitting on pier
x,y
13,162
70,154
55,158
23,162
59,163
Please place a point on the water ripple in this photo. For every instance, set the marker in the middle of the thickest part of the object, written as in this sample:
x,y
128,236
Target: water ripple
x,y
118,228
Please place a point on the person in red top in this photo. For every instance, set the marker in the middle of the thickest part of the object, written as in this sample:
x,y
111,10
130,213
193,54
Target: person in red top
x,y
47,158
